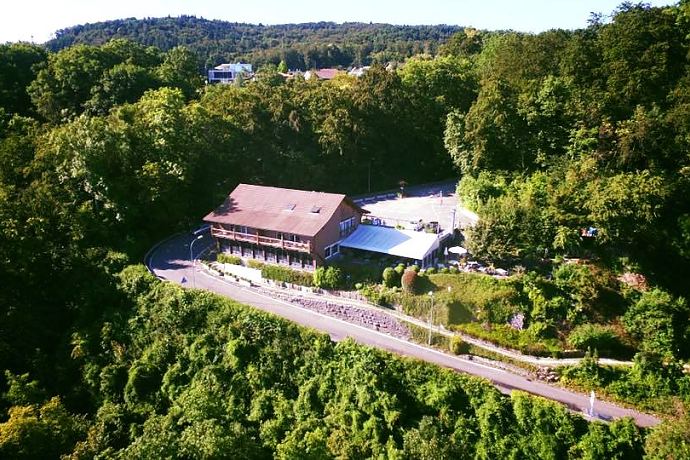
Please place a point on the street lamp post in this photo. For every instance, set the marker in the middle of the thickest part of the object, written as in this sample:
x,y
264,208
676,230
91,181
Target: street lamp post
x,y
431,315
191,258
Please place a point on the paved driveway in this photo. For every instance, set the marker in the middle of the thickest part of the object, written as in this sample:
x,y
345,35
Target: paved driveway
x,y
430,203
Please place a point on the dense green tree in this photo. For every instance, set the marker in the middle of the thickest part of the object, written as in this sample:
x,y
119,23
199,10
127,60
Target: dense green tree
x,y
669,441
179,69
39,431
97,78
644,54
659,321
491,135
19,64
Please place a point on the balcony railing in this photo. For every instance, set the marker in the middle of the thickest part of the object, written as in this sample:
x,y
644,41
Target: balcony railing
x,y
261,240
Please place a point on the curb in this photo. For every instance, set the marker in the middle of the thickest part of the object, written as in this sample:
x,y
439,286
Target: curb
x,y
148,254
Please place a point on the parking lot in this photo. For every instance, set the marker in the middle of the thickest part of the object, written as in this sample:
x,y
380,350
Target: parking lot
x,y
430,203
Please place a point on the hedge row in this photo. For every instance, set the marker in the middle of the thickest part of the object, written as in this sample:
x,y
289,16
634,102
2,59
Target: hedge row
x,y
285,274
228,259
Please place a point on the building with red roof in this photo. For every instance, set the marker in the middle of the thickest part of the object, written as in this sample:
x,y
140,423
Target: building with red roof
x,y
276,225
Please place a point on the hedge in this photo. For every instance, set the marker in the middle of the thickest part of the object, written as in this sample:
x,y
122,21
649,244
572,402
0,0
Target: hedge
x,y
228,259
285,274
251,263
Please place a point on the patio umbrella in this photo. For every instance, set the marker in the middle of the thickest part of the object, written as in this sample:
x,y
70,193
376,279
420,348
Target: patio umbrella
x,y
458,250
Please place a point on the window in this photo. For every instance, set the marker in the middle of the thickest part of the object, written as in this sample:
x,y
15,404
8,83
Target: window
x,y
332,250
290,207
347,226
222,75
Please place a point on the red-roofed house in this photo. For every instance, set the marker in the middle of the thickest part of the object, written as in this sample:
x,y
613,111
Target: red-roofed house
x,y
277,225
322,74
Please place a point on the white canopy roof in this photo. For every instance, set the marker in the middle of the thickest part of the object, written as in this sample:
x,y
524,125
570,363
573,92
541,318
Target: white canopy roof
x,y
457,250
386,240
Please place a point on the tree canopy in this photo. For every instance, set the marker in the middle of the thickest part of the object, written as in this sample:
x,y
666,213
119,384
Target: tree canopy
x,y
568,144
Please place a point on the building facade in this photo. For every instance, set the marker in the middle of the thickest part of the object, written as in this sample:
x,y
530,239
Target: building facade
x,y
228,73
290,227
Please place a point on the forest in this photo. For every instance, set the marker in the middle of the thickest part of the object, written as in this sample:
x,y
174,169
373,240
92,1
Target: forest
x,y
300,46
568,144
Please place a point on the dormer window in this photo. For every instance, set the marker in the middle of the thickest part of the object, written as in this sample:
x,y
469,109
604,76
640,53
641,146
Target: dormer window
x,y
315,209
290,207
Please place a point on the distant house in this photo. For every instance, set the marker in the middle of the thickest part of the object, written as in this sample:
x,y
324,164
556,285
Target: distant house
x,y
358,71
228,73
284,226
322,74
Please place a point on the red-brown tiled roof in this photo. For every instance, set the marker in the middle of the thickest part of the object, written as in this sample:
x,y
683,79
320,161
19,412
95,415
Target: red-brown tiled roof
x,y
279,209
327,74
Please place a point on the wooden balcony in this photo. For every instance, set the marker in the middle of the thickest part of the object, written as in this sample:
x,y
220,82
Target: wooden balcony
x,y
261,240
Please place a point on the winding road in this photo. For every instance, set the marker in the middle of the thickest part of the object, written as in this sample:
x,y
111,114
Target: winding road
x,y
170,261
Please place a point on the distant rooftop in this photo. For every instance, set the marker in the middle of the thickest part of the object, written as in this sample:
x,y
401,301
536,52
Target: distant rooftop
x,y
322,74
236,67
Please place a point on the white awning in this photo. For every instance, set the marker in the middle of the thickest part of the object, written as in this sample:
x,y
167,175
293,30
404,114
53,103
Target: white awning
x,y
386,240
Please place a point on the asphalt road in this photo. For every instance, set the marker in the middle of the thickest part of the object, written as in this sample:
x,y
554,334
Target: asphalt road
x,y
171,261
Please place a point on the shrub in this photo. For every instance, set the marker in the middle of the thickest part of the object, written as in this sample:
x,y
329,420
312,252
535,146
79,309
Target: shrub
x,y
332,278
390,277
453,270
228,259
414,268
458,346
444,271
279,273
374,295
251,263
359,286
409,281
594,336
327,278
430,271
318,277
400,269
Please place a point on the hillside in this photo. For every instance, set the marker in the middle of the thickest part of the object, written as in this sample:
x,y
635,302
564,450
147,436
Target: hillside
x,y
571,146
186,374
302,46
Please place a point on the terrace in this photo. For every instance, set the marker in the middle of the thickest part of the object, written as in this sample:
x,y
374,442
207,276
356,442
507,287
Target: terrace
x,y
261,240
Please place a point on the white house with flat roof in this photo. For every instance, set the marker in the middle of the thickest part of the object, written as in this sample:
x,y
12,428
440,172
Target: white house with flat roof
x,y
227,73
